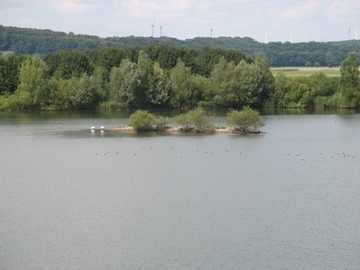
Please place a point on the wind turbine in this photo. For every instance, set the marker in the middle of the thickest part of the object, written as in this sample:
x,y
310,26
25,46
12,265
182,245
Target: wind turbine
x,y
266,36
152,29
161,26
291,32
356,32
349,31
211,31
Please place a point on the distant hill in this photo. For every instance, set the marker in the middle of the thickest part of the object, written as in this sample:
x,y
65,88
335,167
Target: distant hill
x,y
35,41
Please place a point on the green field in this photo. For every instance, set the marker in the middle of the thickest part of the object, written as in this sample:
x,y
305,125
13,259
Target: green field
x,y
307,71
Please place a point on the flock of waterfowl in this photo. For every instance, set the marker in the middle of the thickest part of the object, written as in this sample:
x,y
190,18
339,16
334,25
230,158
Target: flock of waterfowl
x,y
94,128
226,151
343,154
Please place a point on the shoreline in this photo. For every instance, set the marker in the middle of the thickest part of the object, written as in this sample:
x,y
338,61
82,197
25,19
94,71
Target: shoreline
x,y
180,129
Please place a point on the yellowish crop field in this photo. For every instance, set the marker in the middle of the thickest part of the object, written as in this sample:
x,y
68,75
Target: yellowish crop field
x,y
307,71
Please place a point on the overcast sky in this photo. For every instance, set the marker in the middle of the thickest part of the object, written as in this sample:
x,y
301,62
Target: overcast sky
x,y
276,20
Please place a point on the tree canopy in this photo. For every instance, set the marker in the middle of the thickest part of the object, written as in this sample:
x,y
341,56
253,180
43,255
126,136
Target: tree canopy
x,y
135,79
42,42
350,81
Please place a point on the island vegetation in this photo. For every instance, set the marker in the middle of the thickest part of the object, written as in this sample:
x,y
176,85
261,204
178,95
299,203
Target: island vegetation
x,y
142,120
197,120
246,121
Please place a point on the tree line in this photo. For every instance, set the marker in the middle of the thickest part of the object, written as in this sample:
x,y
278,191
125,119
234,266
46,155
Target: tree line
x,y
42,42
165,77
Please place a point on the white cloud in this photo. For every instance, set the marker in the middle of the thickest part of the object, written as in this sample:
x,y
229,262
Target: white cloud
x,y
140,8
73,7
343,10
309,7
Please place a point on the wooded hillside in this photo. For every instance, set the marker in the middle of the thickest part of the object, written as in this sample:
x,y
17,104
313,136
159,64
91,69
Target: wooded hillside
x,y
42,42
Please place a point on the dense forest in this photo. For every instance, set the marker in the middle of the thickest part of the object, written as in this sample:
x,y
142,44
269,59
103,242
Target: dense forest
x,y
162,76
32,41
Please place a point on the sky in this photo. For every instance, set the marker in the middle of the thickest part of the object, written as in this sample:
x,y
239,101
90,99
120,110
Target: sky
x,y
262,20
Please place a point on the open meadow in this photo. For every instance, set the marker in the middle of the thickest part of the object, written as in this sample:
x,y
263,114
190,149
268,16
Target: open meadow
x,y
307,71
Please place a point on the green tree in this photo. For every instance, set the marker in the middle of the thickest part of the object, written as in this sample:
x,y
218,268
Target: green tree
x,y
248,83
3,87
142,120
184,120
125,83
331,58
201,121
146,71
110,57
85,95
49,93
203,86
236,85
308,98
99,80
267,80
322,84
9,73
223,84
184,94
71,63
349,80
196,119
247,120
161,122
62,95
159,87
276,97
33,80
59,97
296,88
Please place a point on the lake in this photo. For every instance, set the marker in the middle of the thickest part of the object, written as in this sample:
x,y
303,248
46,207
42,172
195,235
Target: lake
x,y
75,199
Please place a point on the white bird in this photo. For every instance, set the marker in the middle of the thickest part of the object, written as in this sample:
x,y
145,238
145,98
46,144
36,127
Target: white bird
x,y
92,128
102,127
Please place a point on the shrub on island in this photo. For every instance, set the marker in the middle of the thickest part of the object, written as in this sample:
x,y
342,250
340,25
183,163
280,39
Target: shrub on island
x,y
161,122
197,120
142,120
246,121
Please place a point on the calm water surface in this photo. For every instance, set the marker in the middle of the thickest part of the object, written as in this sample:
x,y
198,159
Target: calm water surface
x,y
75,199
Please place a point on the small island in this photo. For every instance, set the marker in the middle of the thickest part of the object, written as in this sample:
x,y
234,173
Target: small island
x,y
246,121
